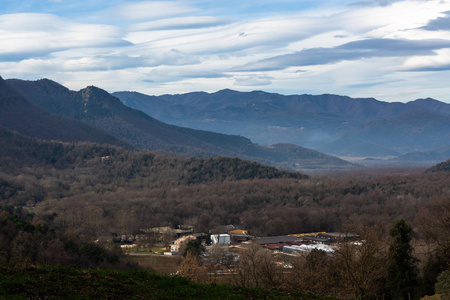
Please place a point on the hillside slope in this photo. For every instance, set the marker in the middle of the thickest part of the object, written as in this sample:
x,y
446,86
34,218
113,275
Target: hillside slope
x,y
98,108
19,114
19,151
60,282
443,166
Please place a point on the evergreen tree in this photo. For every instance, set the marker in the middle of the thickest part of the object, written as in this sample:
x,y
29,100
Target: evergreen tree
x,y
193,247
443,284
402,270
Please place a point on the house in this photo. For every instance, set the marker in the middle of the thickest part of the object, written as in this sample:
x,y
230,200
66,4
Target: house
x,y
180,242
237,237
229,229
220,239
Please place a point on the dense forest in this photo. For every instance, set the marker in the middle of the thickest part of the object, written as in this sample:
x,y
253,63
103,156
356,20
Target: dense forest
x,y
99,189
26,239
58,197
36,173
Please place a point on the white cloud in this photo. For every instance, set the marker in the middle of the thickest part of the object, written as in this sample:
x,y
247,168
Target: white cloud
x,y
355,50
33,35
150,10
180,46
438,62
265,35
388,21
252,80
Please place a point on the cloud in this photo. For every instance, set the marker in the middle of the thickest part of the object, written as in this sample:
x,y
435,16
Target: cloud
x,y
262,35
374,2
253,80
73,64
438,62
148,10
35,35
179,23
98,60
441,23
313,46
166,72
367,84
362,49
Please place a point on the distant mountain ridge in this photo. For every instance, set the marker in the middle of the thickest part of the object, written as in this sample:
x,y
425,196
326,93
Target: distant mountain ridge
x,y
441,167
98,108
333,124
19,114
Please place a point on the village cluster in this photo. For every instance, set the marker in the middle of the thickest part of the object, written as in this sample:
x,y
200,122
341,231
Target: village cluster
x,y
237,236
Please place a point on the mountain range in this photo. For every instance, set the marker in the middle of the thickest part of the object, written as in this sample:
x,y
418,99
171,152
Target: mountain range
x,y
293,131
336,125
48,110
19,114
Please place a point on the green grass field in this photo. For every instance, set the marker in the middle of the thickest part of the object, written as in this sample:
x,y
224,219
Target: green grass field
x,y
56,282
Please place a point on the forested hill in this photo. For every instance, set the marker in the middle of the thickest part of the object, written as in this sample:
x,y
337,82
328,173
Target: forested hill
x,y
19,114
109,164
443,166
104,111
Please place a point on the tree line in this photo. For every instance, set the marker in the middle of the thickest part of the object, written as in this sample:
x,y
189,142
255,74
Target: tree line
x,y
26,240
380,266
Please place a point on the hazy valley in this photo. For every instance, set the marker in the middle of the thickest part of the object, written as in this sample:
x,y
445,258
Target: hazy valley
x,y
414,133
80,166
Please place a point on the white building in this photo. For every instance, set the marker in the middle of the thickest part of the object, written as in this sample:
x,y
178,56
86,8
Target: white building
x,y
220,239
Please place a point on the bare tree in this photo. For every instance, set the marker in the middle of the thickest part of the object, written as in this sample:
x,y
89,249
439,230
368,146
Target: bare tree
x,y
257,268
311,273
361,266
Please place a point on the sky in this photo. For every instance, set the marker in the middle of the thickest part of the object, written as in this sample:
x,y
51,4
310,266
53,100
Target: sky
x,y
390,50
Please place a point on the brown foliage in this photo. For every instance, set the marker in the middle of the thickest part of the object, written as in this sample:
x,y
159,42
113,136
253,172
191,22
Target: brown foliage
x,y
257,268
191,268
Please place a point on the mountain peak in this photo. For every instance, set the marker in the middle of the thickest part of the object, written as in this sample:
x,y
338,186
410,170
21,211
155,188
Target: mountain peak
x,y
93,94
431,105
425,100
18,113
92,89
226,91
53,84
